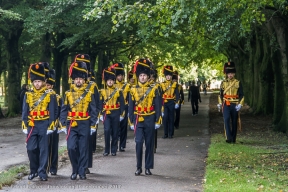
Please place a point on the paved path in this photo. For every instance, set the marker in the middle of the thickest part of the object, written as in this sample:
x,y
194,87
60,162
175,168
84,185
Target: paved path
x,y
179,162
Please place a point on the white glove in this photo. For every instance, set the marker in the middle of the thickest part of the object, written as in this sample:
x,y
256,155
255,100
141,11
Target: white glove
x,y
162,114
238,107
121,118
157,126
49,132
92,131
63,130
97,122
25,131
132,127
176,106
219,106
101,118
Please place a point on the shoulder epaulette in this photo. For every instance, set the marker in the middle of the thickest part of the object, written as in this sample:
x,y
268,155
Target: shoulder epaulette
x,y
49,90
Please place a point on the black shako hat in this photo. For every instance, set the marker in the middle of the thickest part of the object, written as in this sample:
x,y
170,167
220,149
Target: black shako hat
x,y
78,69
36,72
142,66
229,67
168,70
51,77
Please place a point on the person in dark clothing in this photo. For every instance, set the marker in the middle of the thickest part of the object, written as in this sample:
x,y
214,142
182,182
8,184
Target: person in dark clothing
x,y
21,95
230,100
181,97
194,96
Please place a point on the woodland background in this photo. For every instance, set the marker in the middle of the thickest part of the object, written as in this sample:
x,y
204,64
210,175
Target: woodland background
x,y
196,37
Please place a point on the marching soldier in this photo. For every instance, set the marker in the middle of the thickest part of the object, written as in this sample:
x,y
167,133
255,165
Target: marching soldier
x,y
231,99
181,96
97,97
54,137
113,110
144,115
92,86
131,78
171,101
125,88
38,118
154,82
78,119
194,95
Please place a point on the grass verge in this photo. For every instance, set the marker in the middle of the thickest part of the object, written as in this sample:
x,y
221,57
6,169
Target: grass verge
x,y
8,177
62,150
258,162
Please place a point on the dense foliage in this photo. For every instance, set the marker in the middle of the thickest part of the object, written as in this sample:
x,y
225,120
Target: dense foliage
x,y
197,37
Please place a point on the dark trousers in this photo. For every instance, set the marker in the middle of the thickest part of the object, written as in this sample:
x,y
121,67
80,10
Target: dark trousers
x,y
53,152
168,119
145,133
111,129
194,103
155,140
177,116
123,129
92,142
37,148
229,112
78,146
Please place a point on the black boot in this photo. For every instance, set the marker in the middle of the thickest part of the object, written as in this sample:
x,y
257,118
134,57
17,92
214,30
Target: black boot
x,y
138,171
148,172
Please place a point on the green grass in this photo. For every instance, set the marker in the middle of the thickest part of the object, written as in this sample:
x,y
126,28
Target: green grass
x,y
8,177
255,163
62,150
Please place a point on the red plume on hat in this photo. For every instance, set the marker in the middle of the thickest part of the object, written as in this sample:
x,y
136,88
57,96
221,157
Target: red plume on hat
x,y
135,66
71,69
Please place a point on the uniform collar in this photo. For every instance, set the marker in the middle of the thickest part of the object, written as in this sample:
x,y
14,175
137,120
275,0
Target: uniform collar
x,y
75,88
119,82
143,84
40,90
110,88
231,79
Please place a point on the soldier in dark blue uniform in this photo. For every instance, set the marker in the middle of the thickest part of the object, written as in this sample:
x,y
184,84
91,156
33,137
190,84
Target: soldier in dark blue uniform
x,y
144,114
38,121
231,99
113,110
171,101
54,137
131,79
125,88
181,101
92,86
78,119
194,96
154,82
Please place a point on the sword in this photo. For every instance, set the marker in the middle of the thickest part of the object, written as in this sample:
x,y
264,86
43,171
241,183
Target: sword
x,y
30,132
69,129
239,122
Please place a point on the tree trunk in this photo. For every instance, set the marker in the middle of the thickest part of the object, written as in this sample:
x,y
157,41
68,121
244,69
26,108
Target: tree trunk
x,y
256,65
280,71
279,116
14,72
65,84
58,61
264,104
46,48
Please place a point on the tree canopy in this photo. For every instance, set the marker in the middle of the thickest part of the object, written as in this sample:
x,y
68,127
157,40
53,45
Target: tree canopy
x,y
190,35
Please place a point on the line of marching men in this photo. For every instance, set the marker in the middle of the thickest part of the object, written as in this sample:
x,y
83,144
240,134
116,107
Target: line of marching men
x,y
143,103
